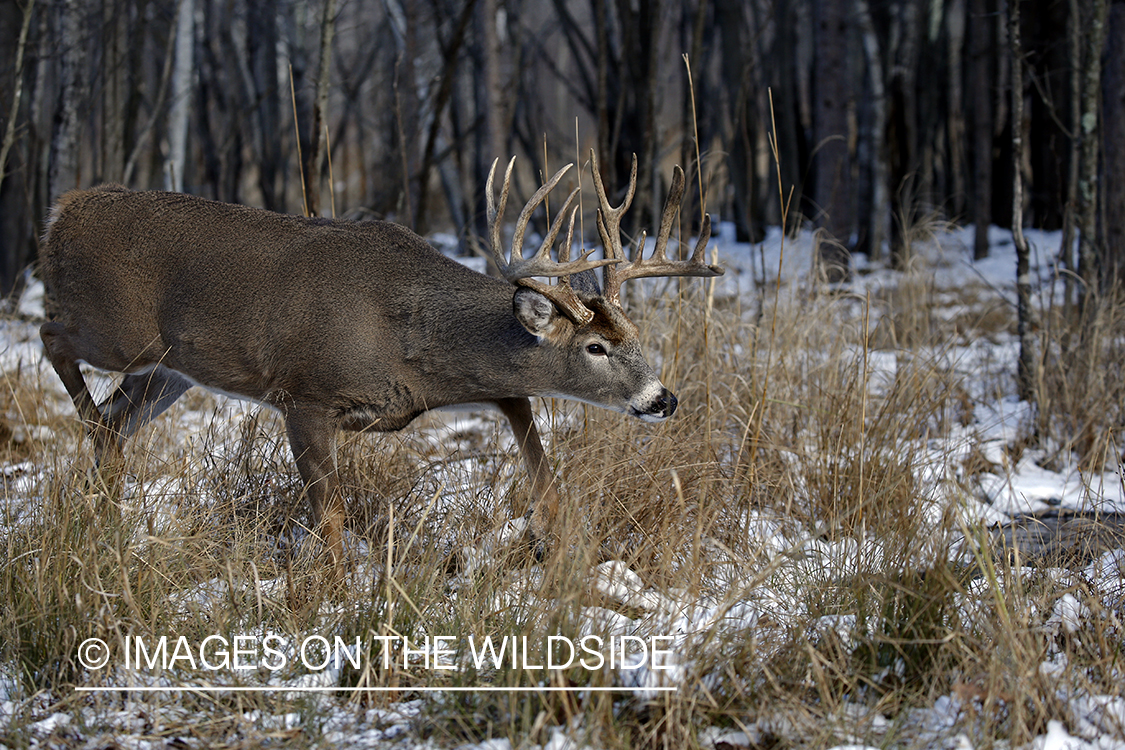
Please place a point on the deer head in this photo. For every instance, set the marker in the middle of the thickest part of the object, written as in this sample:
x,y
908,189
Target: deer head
x,y
575,309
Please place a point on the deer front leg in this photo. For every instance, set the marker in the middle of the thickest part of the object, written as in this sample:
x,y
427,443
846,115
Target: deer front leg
x,y
312,438
141,398
546,499
60,352
64,358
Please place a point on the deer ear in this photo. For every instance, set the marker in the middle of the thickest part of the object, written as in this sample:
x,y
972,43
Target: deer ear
x,y
535,312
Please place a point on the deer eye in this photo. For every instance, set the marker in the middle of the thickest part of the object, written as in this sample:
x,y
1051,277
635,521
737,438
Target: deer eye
x,y
596,349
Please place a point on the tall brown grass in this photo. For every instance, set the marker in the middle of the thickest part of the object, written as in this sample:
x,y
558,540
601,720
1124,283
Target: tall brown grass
x,y
789,421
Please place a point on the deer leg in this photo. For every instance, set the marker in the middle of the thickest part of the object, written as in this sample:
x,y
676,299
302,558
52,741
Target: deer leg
x,y
140,398
312,437
62,356
546,499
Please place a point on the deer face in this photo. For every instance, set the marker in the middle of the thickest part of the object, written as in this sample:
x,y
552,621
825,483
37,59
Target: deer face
x,y
598,362
593,351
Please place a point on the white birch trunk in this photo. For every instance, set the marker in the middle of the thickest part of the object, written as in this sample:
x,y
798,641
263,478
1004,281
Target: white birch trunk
x,y
181,97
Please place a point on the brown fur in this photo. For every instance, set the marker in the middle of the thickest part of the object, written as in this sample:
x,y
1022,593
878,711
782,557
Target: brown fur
x,y
338,325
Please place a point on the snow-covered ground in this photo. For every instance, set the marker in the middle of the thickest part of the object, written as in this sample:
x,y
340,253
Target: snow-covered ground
x,y
764,607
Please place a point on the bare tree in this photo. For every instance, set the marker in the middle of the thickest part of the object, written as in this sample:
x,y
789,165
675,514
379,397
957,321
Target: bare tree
x,y
451,49
314,160
406,21
261,45
1088,170
982,40
617,73
738,61
955,115
491,133
833,190
904,126
73,24
17,91
873,202
1070,205
1113,119
427,92
15,251
1025,373
178,114
115,90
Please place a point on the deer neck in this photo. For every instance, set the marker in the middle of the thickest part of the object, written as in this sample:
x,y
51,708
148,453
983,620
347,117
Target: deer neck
x,y
476,350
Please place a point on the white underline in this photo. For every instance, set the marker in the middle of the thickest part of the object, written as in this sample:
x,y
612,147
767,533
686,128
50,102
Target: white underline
x,y
404,689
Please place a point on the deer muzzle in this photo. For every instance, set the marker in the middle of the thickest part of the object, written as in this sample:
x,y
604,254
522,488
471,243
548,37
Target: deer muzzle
x,y
658,407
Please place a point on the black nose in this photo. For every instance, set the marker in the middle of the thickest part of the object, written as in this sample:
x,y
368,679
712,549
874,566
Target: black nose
x,y
666,404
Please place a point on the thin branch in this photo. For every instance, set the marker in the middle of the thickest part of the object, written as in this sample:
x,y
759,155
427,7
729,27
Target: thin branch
x,y
10,128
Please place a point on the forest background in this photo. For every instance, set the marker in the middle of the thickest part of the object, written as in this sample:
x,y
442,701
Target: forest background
x,y
885,111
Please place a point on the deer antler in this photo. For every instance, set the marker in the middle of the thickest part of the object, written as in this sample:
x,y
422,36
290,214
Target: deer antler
x,y
658,264
518,269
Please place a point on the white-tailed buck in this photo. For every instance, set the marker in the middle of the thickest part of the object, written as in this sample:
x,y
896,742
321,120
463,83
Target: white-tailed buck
x,y
341,325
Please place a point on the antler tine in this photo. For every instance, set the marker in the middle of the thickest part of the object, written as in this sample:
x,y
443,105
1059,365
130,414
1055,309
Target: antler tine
x,y
701,244
541,259
528,209
658,263
565,247
494,213
668,218
518,269
562,294
540,263
609,218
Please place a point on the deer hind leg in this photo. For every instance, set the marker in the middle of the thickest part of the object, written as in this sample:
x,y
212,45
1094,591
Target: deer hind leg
x,y
312,438
546,499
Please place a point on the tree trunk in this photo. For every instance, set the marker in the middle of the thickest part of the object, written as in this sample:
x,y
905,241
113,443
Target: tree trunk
x,y
63,171
181,98
406,107
903,127
636,113
785,116
1088,170
696,125
16,226
451,55
981,84
318,138
1025,371
737,66
1113,124
489,101
1070,209
261,44
114,90
605,137
873,211
832,189
955,117
17,92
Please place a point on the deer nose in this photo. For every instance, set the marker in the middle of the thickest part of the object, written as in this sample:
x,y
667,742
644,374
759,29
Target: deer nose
x,y
655,406
665,404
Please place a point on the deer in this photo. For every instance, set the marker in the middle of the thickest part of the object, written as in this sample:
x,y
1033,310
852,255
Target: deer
x,y
341,325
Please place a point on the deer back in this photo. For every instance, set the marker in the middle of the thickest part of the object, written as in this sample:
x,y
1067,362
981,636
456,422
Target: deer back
x,y
244,300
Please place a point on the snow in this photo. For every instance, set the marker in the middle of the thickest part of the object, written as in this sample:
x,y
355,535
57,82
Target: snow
x,y
759,606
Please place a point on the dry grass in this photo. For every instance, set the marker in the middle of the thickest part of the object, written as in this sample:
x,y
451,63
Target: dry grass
x,y
1081,393
849,614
